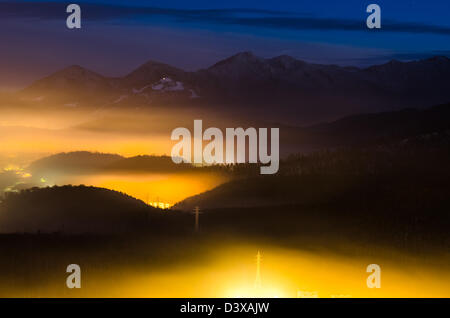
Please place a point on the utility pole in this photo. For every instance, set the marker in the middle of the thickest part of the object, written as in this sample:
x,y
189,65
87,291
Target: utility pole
x,y
197,215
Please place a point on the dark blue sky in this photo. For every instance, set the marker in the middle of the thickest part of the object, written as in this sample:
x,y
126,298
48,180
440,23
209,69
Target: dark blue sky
x,y
118,35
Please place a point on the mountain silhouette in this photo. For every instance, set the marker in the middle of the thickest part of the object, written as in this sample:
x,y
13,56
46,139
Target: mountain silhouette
x,y
384,127
75,210
89,162
77,161
283,87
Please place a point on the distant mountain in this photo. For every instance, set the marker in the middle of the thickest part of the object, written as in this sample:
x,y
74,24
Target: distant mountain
x,y
73,85
78,161
72,77
149,73
284,88
89,162
423,75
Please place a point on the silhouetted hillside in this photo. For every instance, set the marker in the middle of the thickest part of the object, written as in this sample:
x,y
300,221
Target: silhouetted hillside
x,y
409,178
88,162
78,161
367,129
396,197
70,209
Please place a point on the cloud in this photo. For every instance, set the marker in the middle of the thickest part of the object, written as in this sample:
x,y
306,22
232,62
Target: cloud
x,y
418,55
231,17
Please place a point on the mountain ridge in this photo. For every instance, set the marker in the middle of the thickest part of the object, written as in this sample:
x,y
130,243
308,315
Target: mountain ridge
x,y
301,92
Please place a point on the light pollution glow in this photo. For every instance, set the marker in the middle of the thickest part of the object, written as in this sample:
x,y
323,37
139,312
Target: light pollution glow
x,y
229,271
168,188
36,135
285,273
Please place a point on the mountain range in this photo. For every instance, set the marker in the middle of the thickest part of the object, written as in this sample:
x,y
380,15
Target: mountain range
x,y
282,88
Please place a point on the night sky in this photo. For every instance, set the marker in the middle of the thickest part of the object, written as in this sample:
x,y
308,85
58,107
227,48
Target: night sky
x,y
118,36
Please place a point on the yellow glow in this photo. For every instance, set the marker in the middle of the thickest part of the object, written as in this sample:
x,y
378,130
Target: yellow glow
x,y
228,270
12,167
160,205
287,272
162,190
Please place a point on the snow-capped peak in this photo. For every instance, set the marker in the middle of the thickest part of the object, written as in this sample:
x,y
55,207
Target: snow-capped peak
x,y
166,84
